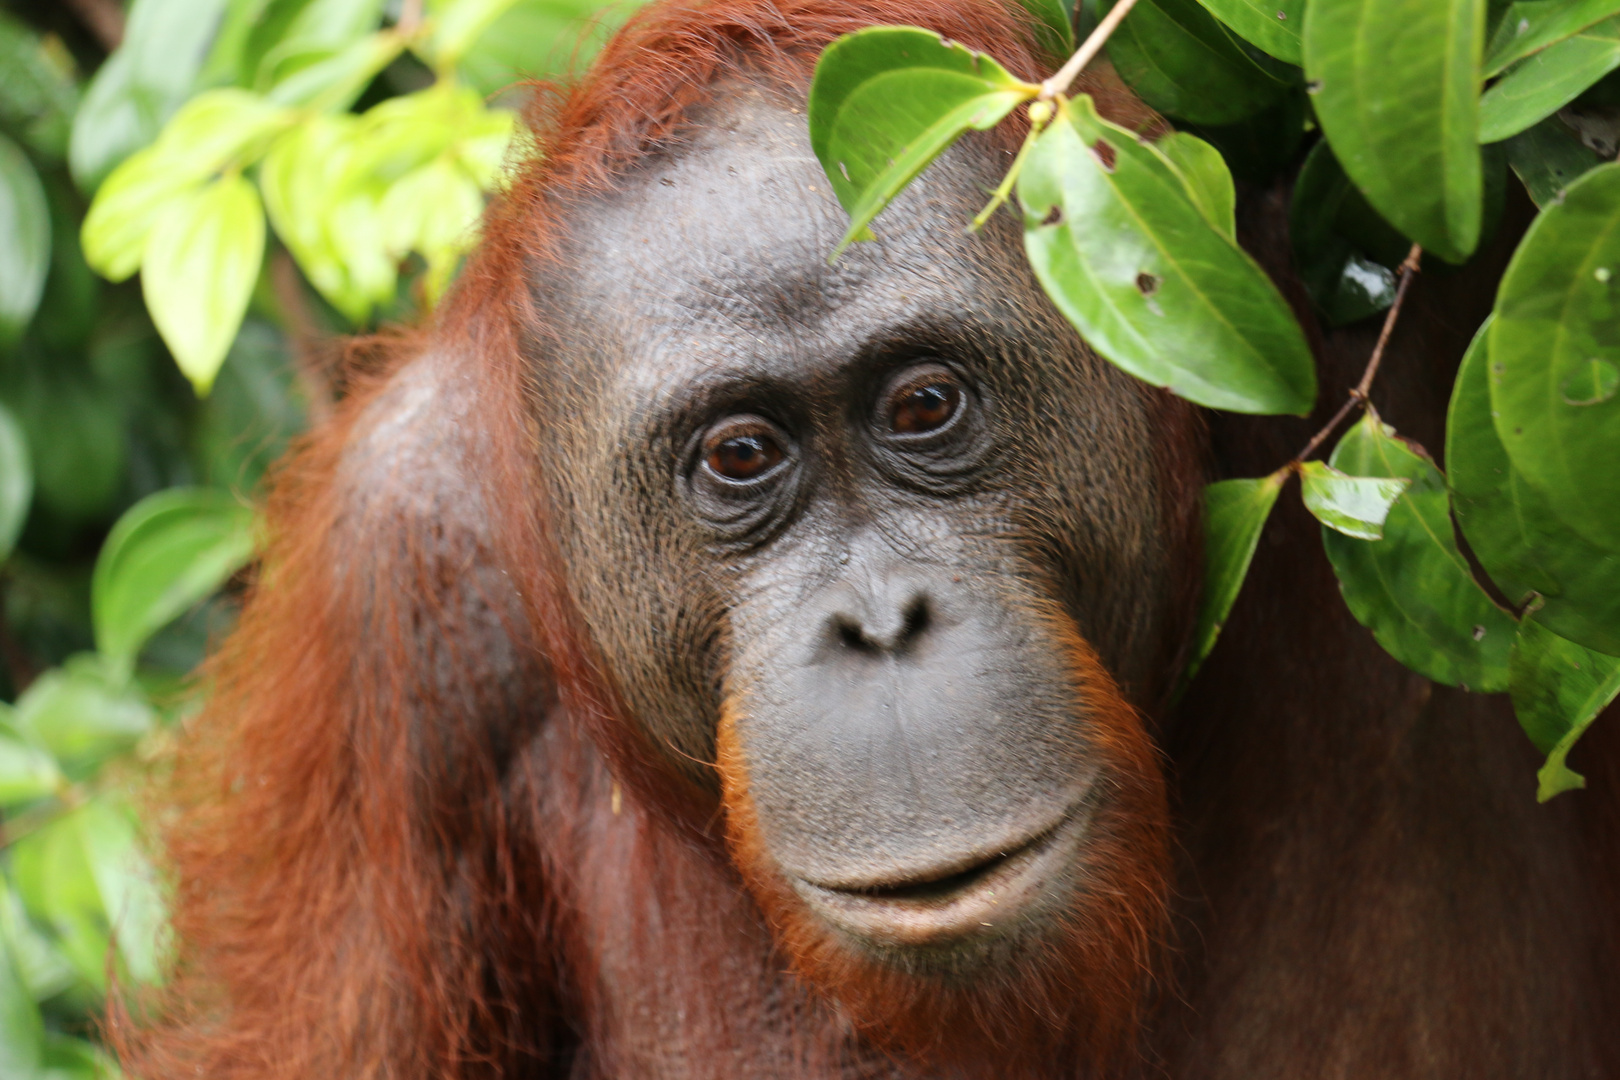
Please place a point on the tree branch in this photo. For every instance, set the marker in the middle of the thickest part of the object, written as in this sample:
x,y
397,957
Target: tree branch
x,y
103,18
1065,75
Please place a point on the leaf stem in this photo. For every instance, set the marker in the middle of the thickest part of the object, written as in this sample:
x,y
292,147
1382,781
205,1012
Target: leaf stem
x,y
1059,82
1358,393
1040,114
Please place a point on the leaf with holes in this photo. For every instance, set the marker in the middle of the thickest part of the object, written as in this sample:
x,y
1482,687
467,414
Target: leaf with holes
x,y
1413,589
1354,505
1130,259
1535,88
1558,689
1397,94
1547,158
1513,530
1555,356
888,100
1235,512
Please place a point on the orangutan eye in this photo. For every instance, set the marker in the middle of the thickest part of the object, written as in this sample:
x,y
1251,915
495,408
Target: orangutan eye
x,y
923,401
742,448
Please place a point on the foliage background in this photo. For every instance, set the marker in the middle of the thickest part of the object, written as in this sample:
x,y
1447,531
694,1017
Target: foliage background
x,y
125,497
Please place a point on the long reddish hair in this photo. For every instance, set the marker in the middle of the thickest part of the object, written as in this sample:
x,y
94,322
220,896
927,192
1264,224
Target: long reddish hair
x,y
365,882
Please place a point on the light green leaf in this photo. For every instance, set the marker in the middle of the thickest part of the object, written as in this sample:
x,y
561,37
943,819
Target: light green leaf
x,y
44,970
1558,689
82,713
58,888
141,84
1531,25
1208,181
888,100
433,210
201,262
330,81
22,1028
168,552
1273,26
1354,505
1548,157
27,772
1397,93
457,24
1235,512
128,202
1131,261
536,38
25,240
1541,85
16,481
127,886
1518,539
1184,63
294,33
1413,589
1553,338
1054,25
1345,252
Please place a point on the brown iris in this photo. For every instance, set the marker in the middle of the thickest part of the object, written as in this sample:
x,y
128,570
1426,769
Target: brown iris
x,y
742,449
924,404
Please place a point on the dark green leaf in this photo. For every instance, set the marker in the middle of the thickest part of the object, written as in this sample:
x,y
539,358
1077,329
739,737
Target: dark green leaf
x,y
1235,511
1127,256
886,101
1053,24
1554,343
1208,181
75,436
37,92
1397,93
82,713
1185,64
201,262
25,240
1260,147
1515,535
167,552
16,481
1273,26
1558,689
1531,25
67,1058
141,84
1548,157
1345,252
1413,588
1354,505
1536,88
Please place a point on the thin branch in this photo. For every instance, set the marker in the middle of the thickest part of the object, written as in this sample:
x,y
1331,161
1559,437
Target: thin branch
x,y
410,18
313,377
1358,393
1059,82
103,18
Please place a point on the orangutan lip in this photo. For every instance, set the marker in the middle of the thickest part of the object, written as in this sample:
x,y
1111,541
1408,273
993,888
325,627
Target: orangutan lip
x,y
955,905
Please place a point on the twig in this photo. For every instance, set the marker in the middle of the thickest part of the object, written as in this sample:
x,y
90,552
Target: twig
x,y
103,18
1358,394
1059,82
312,374
410,17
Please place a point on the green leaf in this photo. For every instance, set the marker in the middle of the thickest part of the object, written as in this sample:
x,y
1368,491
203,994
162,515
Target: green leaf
x,y
1531,25
1397,94
1208,181
201,262
127,886
168,552
292,34
1413,588
457,24
1354,505
330,81
38,96
25,240
16,481
1535,88
888,100
1548,157
1131,261
1185,64
141,84
1235,512
22,1028
1554,341
433,210
44,970
54,879
27,772
1345,252
1054,25
82,713
67,1058
537,37
1558,689
1274,27
1515,534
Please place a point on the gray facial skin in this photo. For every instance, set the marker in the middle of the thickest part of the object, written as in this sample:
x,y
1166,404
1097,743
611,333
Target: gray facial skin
x,y
886,610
